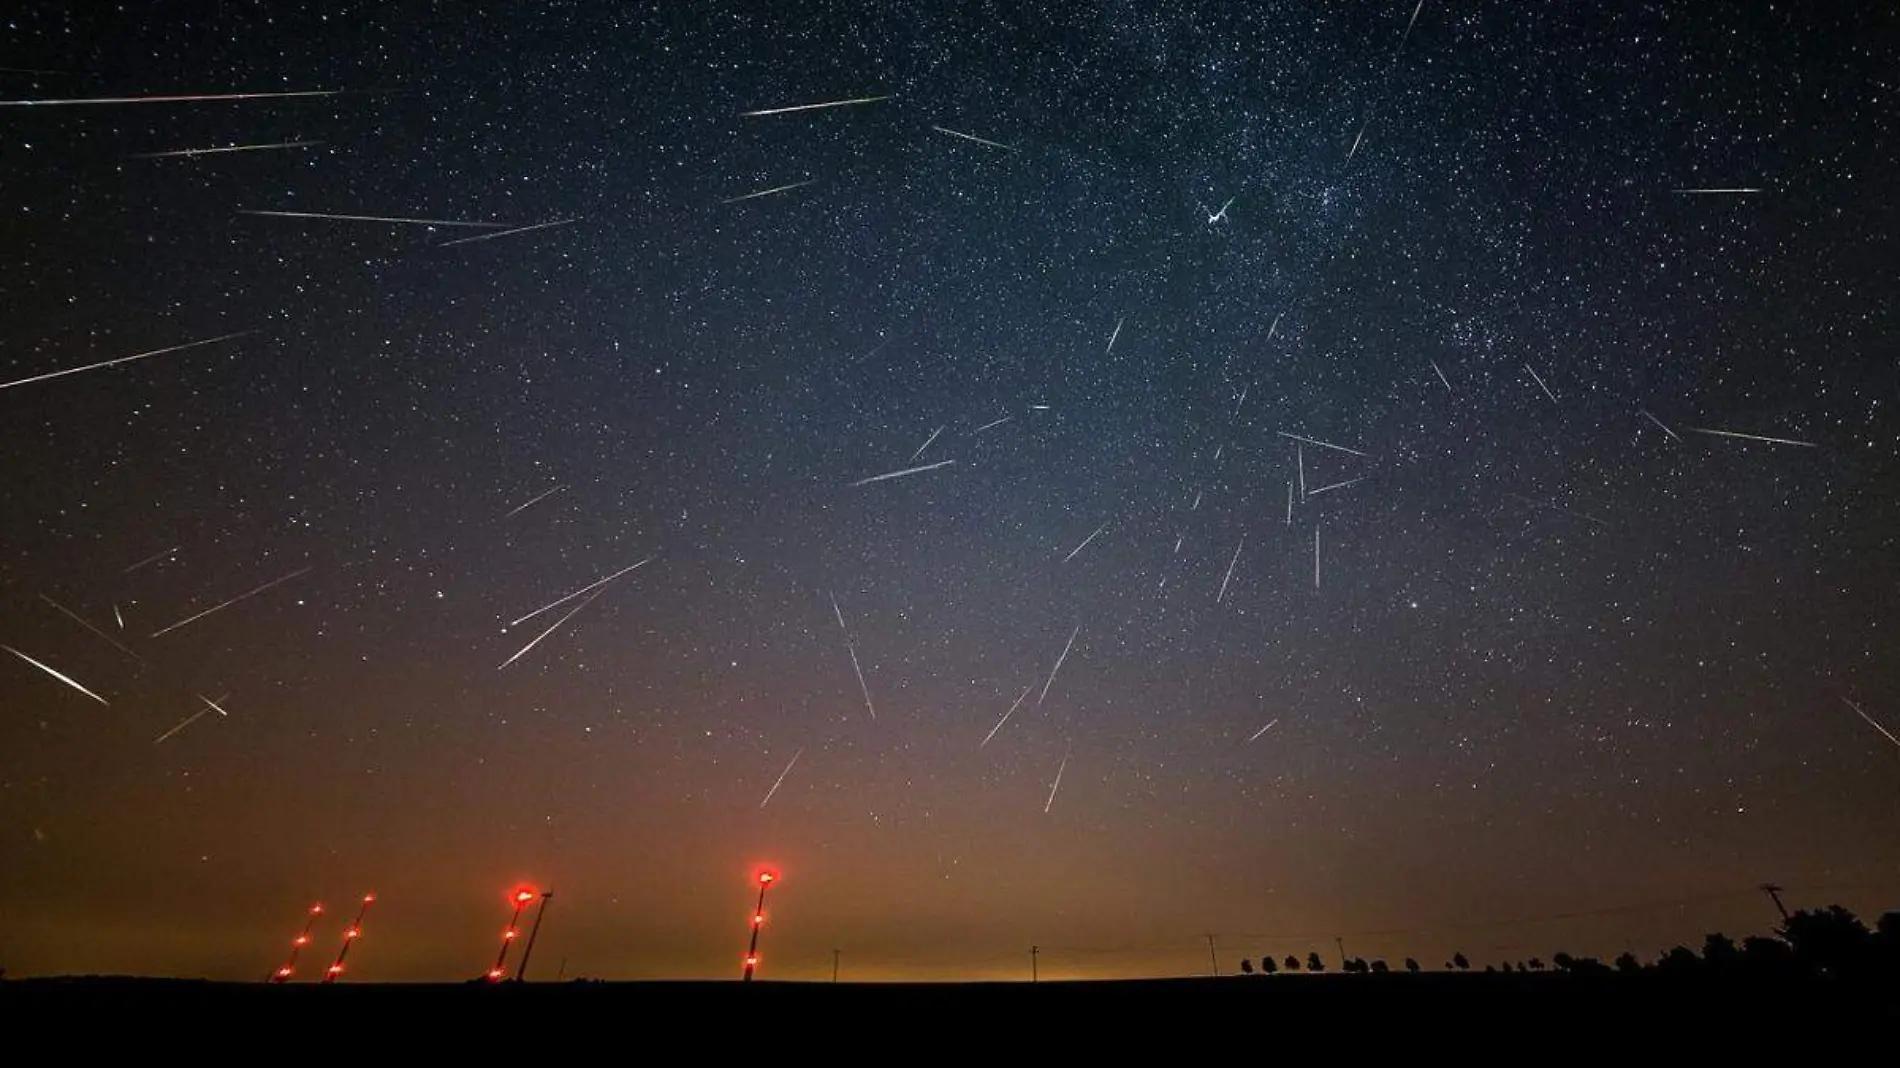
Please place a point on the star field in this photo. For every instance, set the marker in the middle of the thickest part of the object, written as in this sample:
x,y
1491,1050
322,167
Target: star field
x,y
1274,363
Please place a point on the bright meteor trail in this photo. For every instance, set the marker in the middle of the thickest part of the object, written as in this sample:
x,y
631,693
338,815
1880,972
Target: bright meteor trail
x,y
125,359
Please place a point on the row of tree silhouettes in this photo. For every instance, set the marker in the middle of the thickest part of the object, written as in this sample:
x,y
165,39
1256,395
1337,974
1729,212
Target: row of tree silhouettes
x,y
1830,942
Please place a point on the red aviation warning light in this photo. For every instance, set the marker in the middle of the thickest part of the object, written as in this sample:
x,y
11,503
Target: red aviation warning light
x,y
766,878
350,934
303,939
519,898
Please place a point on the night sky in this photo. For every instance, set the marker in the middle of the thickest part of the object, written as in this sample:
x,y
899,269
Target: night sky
x,y
1521,659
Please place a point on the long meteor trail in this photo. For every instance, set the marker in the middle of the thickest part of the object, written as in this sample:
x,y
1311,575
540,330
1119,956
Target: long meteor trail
x,y
814,107
973,137
125,359
219,150
1660,425
589,588
74,616
901,474
1057,785
769,192
1871,722
1052,671
781,778
1750,437
63,678
532,501
1321,444
1540,383
1229,577
925,445
1020,698
394,220
852,648
190,98
1719,191
1085,541
1261,731
523,651
509,232
226,604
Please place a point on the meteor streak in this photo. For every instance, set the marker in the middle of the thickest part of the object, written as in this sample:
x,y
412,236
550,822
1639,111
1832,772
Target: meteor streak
x,y
814,107
926,444
1058,667
509,232
1012,711
226,604
1751,437
596,584
1261,731
781,778
395,220
191,98
127,359
769,192
973,137
530,502
523,651
65,679
74,616
900,474
1057,785
1540,383
1229,577
193,153
1660,425
1871,722
1085,542
1321,444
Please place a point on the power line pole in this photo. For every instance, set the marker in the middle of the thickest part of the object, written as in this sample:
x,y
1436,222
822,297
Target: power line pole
x,y
1211,958
834,964
1774,895
1034,976
1341,943
521,973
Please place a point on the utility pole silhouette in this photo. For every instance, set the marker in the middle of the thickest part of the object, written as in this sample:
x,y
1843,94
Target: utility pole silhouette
x,y
1034,976
1341,943
1211,958
834,964
1774,895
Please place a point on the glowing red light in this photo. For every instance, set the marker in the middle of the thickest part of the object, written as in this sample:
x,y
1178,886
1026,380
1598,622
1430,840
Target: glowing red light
x,y
494,973
522,897
300,940
283,971
758,918
351,933
335,968
750,961
367,898
766,877
510,933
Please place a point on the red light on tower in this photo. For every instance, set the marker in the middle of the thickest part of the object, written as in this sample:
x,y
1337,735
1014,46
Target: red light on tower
x,y
766,879
303,939
350,934
519,898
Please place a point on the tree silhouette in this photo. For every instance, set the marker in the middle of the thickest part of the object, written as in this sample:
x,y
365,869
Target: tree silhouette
x,y
1767,954
1563,961
1628,964
1831,940
1459,962
1536,964
1292,963
1379,967
1314,964
1679,959
1718,951
1246,966
1411,965
1268,966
